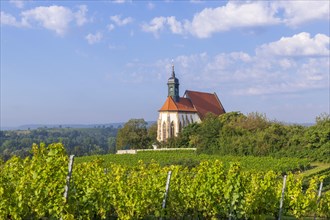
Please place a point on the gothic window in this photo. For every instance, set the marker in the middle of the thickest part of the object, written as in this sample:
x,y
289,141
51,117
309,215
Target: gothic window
x,y
164,131
172,129
159,129
187,120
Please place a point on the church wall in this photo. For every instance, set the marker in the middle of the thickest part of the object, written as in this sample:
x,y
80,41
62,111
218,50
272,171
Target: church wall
x,y
169,123
192,117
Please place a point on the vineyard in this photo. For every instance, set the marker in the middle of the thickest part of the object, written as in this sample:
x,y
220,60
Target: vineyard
x,y
34,188
190,159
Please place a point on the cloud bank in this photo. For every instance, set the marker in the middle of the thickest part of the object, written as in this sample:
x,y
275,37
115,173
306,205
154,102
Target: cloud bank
x,y
54,18
240,15
292,64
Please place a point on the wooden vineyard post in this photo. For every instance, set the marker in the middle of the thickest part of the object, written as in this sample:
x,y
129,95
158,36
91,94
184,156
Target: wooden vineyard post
x,y
68,178
318,197
166,189
282,198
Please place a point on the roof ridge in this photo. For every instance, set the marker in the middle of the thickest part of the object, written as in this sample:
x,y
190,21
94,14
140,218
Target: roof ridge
x,y
216,96
198,92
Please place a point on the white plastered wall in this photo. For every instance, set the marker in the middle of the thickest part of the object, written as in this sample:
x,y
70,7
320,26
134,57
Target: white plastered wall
x,y
166,118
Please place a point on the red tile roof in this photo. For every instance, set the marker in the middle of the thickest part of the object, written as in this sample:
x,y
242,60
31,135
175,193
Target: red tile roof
x,y
183,105
200,102
205,102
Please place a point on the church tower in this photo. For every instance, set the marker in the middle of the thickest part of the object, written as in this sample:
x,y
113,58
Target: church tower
x,y
173,86
178,112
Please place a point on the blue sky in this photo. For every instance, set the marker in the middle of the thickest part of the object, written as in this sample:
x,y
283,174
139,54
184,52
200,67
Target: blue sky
x,y
86,62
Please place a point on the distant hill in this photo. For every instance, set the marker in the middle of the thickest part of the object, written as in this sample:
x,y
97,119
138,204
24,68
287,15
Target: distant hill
x,y
36,126
306,124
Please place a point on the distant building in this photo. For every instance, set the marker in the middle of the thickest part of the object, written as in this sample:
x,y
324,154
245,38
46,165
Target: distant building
x,y
178,112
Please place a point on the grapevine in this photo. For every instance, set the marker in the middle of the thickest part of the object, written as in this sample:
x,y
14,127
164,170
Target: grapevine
x,y
33,189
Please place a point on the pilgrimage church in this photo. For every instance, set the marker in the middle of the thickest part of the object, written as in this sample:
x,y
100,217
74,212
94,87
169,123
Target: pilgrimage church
x,y
178,112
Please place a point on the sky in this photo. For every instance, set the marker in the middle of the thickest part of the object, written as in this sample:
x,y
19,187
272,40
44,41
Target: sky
x,y
90,62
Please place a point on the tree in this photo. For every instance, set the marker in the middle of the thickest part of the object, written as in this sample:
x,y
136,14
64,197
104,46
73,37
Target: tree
x,y
183,139
111,145
77,141
133,135
152,133
206,140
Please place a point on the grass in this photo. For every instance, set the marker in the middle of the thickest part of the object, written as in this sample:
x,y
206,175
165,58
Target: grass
x,y
316,168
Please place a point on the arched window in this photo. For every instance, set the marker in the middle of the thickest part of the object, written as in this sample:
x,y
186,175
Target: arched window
x,y
180,126
183,121
164,131
172,130
191,119
159,129
187,120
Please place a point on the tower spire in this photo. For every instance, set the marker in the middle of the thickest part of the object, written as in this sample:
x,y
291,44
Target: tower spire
x,y
173,73
173,85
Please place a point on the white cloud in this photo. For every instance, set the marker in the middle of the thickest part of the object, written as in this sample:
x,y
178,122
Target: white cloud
x,y
220,62
284,76
54,18
175,26
160,23
94,38
313,71
243,74
241,56
80,15
8,19
305,75
212,20
17,3
110,27
121,22
246,15
287,63
232,15
155,26
301,44
298,12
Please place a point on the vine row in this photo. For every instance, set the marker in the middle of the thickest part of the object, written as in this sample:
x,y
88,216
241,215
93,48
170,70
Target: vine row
x,y
33,188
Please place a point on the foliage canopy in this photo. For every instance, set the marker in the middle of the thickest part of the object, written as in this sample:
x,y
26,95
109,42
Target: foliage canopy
x,y
234,133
